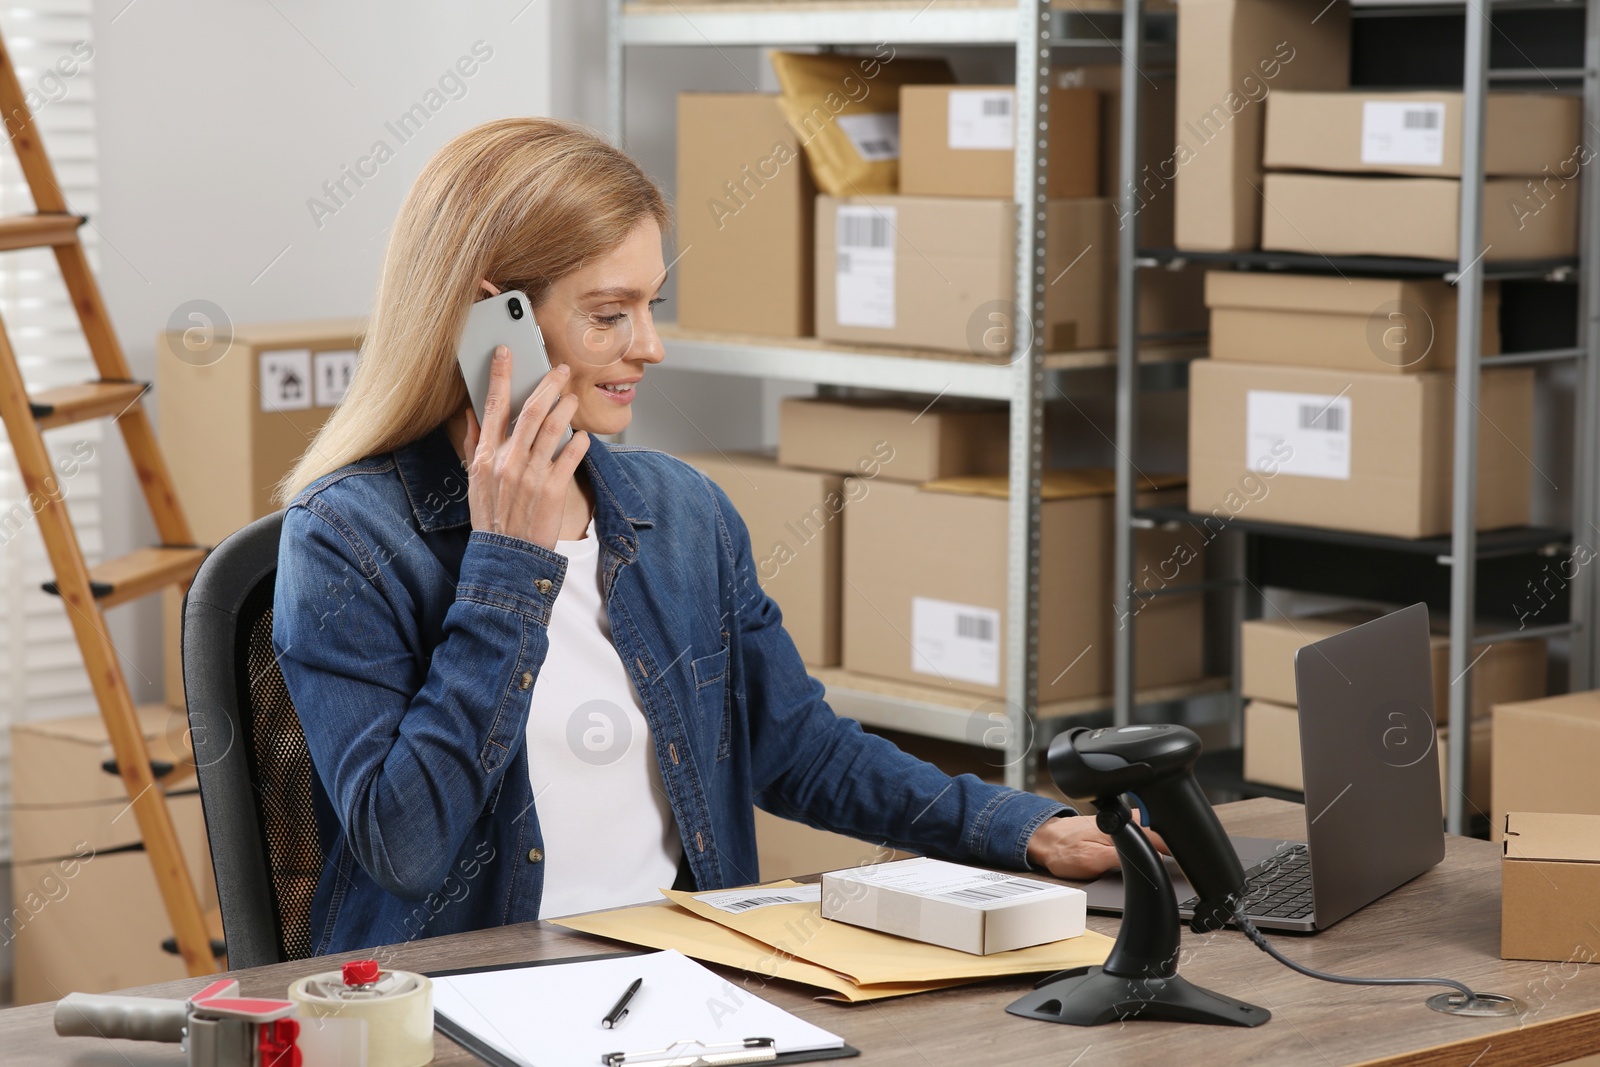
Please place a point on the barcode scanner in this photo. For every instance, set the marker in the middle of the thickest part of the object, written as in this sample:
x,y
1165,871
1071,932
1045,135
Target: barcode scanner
x,y
1140,979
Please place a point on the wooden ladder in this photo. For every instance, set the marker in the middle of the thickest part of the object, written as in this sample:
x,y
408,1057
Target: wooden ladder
x,y
88,591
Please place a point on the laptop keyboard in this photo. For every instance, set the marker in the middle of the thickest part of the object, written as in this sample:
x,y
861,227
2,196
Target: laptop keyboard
x,y
1279,887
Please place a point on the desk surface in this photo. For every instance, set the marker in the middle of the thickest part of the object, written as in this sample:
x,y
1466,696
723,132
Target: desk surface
x,y
1446,922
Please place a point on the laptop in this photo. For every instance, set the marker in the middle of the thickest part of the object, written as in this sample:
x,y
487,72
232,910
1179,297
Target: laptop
x,y
1371,762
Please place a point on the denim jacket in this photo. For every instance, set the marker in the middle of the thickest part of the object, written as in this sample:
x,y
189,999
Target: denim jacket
x,y
410,643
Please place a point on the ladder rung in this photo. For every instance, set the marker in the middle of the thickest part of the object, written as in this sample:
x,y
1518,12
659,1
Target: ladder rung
x,y
139,573
38,231
88,400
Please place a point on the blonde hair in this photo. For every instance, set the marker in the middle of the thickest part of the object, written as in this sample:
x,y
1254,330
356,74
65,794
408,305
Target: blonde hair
x,y
522,202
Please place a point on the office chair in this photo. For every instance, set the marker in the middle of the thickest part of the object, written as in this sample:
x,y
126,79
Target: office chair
x,y
255,773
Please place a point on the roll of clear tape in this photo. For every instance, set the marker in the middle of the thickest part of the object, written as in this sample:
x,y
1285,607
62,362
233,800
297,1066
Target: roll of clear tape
x,y
398,1009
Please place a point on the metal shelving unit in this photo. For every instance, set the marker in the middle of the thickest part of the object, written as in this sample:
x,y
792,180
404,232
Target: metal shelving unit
x,y
1016,727
1463,553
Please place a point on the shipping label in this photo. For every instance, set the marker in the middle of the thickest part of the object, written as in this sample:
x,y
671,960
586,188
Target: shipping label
x,y
1409,132
1316,429
955,641
983,118
864,266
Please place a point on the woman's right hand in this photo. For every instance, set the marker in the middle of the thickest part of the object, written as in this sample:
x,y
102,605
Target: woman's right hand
x,y
514,486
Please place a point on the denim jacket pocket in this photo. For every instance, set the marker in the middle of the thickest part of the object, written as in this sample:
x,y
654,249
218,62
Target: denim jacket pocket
x,y
711,694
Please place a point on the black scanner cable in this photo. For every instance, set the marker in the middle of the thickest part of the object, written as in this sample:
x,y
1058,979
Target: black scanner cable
x,y
1260,941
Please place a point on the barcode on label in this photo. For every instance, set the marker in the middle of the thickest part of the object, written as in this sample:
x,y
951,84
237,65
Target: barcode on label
x,y
863,231
975,627
997,106
758,902
878,149
1420,119
994,891
1327,418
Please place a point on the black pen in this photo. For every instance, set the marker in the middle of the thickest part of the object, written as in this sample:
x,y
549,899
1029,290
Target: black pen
x,y
614,1016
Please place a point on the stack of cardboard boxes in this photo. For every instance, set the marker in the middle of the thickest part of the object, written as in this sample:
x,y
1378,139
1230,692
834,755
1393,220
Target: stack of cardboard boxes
x,y
1330,402
880,530
1509,671
932,266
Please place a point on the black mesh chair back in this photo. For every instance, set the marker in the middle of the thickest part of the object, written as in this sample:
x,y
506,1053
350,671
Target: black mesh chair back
x,y
255,773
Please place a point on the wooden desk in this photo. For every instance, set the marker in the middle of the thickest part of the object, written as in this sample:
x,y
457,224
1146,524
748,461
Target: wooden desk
x,y
1445,923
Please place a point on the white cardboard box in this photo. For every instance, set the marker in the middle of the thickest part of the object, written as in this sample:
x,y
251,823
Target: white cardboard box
x,y
964,908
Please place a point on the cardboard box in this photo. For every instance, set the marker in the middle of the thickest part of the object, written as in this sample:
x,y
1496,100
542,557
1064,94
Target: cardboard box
x,y
795,519
87,916
940,273
744,202
959,140
1549,887
64,798
91,927
1333,215
965,908
1157,116
904,441
1272,752
1420,133
1505,671
1231,55
925,589
1545,754
1391,325
789,849
1350,451
235,415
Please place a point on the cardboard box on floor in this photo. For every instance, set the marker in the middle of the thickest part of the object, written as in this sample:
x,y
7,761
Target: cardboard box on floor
x,y
1348,451
925,589
1420,133
1549,886
1505,671
744,209
901,440
1231,55
91,917
1272,752
1545,754
235,416
1335,215
795,519
1385,325
959,140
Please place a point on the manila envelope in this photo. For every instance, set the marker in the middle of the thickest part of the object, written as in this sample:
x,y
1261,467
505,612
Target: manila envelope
x,y
870,958
666,926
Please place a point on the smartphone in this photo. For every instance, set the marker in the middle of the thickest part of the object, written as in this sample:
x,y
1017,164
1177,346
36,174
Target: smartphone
x,y
506,319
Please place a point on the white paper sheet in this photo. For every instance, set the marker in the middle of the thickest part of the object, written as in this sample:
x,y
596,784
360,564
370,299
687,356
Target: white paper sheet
x,y
549,1016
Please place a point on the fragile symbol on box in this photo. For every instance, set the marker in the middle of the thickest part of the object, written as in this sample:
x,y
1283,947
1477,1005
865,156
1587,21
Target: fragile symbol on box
x,y
333,373
1315,428
955,641
286,380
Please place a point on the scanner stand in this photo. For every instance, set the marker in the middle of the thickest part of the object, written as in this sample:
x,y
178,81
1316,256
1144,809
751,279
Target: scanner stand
x,y
1139,979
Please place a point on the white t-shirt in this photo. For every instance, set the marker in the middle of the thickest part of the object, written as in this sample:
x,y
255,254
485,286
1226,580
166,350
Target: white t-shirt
x,y
610,837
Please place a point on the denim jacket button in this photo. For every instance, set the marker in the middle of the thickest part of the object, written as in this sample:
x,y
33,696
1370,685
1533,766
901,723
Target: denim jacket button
x,y
526,681
535,855
543,585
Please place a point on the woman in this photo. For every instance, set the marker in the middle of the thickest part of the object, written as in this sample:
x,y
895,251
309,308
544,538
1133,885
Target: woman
x,y
536,680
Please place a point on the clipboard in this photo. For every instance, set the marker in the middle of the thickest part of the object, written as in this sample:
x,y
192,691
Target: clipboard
x,y
487,1053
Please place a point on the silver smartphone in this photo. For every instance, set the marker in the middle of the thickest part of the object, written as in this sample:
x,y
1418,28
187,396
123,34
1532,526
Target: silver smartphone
x,y
505,319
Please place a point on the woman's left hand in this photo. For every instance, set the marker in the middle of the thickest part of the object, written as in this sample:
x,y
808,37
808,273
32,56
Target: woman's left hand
x,y
1073,847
